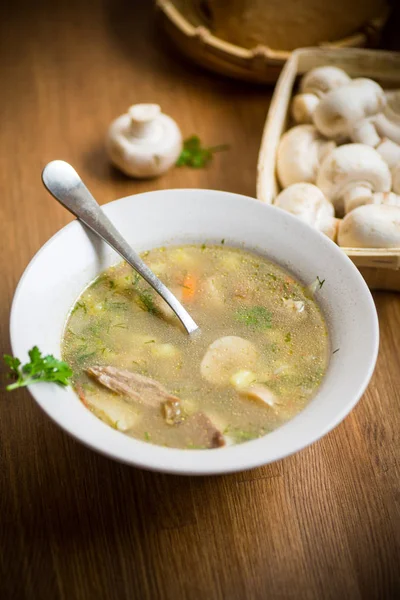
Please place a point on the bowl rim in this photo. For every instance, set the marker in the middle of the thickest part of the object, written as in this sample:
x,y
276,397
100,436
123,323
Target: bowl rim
x,y
239,460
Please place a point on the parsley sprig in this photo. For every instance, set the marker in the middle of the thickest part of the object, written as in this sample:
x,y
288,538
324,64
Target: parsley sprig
x,y
39,368
195,155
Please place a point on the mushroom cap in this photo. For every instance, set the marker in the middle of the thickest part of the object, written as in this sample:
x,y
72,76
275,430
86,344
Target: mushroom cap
x,y
321,80
343,107
390,152
303,107
371,226
350,166
304,200
308,203
300,152
225,357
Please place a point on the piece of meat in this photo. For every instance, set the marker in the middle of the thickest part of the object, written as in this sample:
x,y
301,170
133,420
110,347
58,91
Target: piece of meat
x,y
172,411
202,432
132,385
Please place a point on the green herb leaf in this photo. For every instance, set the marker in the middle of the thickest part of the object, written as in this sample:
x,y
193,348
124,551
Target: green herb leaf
x,y
40,368
288,337
79,305
337,350
257,316
320,283
195,156
147,301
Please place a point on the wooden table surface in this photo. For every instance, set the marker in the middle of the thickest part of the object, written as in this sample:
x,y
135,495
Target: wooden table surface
x,y
323,524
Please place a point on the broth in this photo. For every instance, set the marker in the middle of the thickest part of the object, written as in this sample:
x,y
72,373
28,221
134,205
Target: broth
x,y
258,359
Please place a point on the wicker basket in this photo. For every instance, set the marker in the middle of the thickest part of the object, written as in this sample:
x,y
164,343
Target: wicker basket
x,y
190,29
380,267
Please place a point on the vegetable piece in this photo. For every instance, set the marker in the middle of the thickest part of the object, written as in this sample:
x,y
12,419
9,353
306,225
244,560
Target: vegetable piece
x,y
118,413
260,394
351,173
242,379
195,156
371,226
189,287
136,387
213,294
257,316
165,351
300,153
225,357
293,305
144,142
40,368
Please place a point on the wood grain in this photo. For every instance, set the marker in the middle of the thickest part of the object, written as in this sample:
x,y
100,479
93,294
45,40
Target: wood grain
x,y
323,524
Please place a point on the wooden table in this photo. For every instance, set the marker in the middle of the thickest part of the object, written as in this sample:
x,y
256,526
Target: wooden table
x,y
323,524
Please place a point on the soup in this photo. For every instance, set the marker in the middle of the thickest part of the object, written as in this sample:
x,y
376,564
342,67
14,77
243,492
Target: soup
x,y
257,360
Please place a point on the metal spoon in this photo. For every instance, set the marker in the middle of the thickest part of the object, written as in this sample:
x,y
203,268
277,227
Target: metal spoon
x,y
64,183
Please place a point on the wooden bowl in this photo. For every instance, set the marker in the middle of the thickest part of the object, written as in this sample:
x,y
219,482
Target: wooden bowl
x,y
190,27
380,267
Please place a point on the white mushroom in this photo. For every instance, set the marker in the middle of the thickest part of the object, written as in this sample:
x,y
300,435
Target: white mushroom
x,y
144,142
303,106
352,173
313,86
308,203
390,152
371,226
225,357
300,153
388,122
321,80
343,113
389,198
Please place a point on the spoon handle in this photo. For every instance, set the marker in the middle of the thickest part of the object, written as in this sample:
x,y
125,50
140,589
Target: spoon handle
x,y
64,183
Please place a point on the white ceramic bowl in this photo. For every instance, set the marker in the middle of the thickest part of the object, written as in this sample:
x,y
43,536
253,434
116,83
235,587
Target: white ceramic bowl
x,y
73,257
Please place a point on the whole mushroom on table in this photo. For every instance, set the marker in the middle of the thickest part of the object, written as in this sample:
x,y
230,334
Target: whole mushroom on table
x,y
342,159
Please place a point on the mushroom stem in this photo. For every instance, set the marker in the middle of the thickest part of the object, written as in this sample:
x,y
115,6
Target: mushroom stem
x,y
364,132
356,196
303,106
143,118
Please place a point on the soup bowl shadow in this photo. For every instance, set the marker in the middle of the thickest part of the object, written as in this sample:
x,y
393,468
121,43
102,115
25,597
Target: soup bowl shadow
x,y
73,257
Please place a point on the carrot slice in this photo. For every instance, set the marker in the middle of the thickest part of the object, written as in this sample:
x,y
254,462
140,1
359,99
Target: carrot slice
x,y
81,395
189,287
